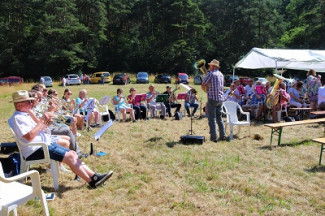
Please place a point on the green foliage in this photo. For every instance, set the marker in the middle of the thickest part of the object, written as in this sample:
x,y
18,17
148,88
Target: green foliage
x,y
56,37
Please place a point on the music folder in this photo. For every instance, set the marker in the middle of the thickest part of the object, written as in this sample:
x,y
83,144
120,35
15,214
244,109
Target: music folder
x,y
162,98
181,96
140,97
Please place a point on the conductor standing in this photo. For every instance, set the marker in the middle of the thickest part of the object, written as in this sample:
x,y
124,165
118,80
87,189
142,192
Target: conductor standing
x,y
214,85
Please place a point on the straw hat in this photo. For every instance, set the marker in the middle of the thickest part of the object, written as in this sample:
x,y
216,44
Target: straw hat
x,y
215,63
20,96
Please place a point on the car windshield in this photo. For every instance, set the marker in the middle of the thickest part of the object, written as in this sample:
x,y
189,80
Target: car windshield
x,y
119,76
73,76
165,76
142,74
182,76
47,79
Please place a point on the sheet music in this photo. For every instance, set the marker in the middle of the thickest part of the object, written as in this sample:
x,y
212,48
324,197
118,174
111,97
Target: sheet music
x,y
102,130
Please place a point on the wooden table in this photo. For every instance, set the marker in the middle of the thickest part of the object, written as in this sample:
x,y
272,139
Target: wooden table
x,y
277,127
322,148
300,111
318,113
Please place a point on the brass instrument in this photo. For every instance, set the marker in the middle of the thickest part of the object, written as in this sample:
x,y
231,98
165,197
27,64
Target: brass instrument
x,y
273,98
172,97
200,64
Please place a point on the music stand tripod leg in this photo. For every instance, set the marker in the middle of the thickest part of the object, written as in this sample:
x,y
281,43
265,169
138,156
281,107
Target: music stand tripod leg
x,y
322,148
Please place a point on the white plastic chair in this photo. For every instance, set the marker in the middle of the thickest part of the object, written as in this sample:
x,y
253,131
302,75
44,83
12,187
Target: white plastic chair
x,y
282,110
230,109
13,194
103,108
24,165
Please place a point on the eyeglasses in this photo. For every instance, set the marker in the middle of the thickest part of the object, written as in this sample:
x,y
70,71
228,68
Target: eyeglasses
x,y
133,90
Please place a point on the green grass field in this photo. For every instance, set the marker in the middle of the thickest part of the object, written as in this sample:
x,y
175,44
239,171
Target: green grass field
x,y
156,175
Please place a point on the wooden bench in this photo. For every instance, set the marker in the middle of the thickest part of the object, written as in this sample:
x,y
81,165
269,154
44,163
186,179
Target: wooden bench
x,y
277,127
322,148
318,113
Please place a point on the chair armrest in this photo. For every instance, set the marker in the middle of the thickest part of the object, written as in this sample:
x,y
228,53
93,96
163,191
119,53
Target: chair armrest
x,y
32,174
45,149
247,115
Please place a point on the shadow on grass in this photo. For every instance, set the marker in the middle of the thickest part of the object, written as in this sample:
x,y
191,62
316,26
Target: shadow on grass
x,y
316,169
290,144
154,139
171,144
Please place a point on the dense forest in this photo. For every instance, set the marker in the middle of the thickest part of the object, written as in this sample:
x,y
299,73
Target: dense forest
x,y
55,37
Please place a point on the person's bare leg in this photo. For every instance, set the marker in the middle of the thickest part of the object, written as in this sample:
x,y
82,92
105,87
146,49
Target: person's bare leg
x,y
73,126
130,110
123,112
75,164
96,114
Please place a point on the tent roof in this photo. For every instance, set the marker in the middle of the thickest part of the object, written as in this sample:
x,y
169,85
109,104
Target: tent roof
x,y
283,58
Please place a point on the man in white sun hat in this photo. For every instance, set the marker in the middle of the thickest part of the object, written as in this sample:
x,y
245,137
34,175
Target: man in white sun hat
x,y
28,132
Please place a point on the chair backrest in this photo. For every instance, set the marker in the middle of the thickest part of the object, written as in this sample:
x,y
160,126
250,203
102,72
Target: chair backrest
x,y
104,100
231,108
18,145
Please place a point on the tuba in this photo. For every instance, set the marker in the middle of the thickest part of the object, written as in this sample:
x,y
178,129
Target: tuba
x,y
200,64
273,98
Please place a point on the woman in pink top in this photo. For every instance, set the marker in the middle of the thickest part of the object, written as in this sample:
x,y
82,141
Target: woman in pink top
x,y
139,109
284,98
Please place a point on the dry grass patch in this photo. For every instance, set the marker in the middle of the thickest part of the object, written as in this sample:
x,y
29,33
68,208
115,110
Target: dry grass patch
x,y
156,175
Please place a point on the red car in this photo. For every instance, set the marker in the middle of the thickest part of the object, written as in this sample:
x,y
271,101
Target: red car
x,y
182,78
11,80
244,80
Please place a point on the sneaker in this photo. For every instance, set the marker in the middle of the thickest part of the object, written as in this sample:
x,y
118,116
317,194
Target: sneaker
x,y
97,125
63,169
99,179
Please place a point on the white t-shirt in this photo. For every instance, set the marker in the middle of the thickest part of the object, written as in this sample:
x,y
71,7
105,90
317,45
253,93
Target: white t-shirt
x,y
249,90
321,94
21,123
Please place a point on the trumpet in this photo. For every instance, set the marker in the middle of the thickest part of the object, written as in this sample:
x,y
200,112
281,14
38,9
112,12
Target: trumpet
x,y
200,64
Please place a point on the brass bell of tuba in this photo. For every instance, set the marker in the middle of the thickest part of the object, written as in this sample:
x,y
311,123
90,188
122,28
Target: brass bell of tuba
x,y
273,98
200,64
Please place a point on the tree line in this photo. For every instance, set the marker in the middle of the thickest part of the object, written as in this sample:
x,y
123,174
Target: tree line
x,y
56,37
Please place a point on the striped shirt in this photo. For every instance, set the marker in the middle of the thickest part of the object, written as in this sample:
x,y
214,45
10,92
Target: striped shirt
x,y
214,82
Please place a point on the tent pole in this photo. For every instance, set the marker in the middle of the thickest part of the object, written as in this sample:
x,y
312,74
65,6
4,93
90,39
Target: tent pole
x,y
233,73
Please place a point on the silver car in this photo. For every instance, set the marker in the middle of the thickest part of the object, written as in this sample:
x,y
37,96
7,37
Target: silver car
x,y
47,81
72,79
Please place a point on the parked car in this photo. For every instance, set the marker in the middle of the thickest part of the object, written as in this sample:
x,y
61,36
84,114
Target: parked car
x,y
72,79
261,79
198,79
182,78
97,76
142,77
244,80
11,80
230,79
162,78
47,81
120,78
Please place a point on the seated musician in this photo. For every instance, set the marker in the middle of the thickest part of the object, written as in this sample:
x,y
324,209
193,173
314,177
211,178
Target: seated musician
x,y
28,132
122,106
191,101
283,100
69,105
140,110
232,94
294,93
171,103
268,87
249,88
153,105
258,97
80,102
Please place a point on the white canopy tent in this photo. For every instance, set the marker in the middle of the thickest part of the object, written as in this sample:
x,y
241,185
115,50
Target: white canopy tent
x,y
283,59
